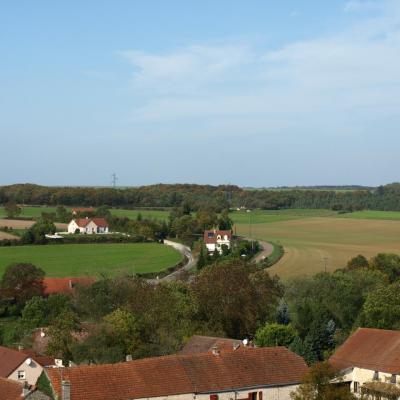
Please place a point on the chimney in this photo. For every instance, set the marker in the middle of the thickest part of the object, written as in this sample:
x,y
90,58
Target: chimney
x,y
20,347
70,284
215,350
128,357
25,390
65,390
236,346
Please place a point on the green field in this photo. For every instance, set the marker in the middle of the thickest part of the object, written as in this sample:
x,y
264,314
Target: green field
x,y
161,215
92,259
311,241
35,212
371,214
266,216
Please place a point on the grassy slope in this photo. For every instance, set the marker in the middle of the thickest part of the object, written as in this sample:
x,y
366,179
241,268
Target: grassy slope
x,y
92,259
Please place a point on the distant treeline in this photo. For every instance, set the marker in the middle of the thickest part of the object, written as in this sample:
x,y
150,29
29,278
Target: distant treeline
x,y
204,196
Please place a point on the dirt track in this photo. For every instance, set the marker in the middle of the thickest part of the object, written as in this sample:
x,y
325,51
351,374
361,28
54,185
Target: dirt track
x,y
23,224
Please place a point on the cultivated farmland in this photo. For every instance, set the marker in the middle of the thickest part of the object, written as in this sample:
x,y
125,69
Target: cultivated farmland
x,y
311,242
92,259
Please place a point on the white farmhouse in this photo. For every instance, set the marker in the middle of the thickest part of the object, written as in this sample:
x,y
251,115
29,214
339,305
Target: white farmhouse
x,y
88,226
369,362
215,239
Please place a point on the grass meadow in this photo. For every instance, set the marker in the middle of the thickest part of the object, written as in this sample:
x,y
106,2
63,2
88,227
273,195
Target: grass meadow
x,y
69,260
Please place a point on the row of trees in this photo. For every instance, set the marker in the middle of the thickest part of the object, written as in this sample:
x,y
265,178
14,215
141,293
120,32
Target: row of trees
x,y
200,196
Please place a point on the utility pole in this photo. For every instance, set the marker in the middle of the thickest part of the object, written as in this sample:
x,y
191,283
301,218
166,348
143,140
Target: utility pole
x,y
114,180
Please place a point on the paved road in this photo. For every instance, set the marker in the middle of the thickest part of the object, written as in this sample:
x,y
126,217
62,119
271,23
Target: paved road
x,y
266,251
190,263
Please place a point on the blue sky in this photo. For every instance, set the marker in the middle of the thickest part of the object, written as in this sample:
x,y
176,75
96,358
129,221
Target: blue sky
x,y
254,93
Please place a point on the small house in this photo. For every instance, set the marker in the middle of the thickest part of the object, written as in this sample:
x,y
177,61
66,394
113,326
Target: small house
x,y
215,239
88,226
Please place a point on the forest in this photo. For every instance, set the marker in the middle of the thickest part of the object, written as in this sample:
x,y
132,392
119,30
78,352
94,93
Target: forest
x,y
221,197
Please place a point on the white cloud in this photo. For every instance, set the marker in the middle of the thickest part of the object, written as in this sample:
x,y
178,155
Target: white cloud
x,y
345,82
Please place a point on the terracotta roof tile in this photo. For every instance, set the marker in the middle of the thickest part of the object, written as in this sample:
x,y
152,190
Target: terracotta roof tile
x,y
9,360
374,349
204,344
210,236
64,285
180,374
10,390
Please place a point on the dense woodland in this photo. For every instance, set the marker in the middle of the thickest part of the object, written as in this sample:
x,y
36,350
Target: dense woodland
x,y
199,196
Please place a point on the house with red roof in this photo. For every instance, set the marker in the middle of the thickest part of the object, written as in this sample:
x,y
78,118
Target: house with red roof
x,y
215,239
369,360
65,285
245,373
22,366
82,210
88,226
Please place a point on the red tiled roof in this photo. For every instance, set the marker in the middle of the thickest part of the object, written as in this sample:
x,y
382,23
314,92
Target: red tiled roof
x,y
180,374
10,360
373,349
44,361
82,222
100,222
10,390
64,285
210,236
204,344
82,210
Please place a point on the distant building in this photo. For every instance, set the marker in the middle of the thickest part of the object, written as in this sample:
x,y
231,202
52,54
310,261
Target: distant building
x,y
203,344
88,225
369,361
268,373
215,239
82,210
64,285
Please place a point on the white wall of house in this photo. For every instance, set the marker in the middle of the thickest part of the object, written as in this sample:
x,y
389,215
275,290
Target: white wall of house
x,y
89,229
224,240
73,226
31,371
358,376
271,393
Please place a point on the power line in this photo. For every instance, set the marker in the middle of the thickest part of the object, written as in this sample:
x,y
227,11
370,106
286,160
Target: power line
x,y
114,180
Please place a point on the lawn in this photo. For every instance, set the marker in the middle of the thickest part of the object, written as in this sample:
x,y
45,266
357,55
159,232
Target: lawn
x,y
312,242
66,260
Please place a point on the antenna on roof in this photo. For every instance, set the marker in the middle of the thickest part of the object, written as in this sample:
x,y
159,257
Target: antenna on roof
x,y
114,180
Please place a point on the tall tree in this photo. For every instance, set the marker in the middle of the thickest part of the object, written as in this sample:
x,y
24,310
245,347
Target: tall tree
x,y
21,282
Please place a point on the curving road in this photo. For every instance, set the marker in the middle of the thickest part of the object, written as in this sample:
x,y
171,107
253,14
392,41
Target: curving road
x,y
190,262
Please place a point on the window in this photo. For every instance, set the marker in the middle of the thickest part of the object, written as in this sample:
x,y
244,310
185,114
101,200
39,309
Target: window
x,y
376,376
253,396
260,395
356,387
21,375
213,397
393,379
